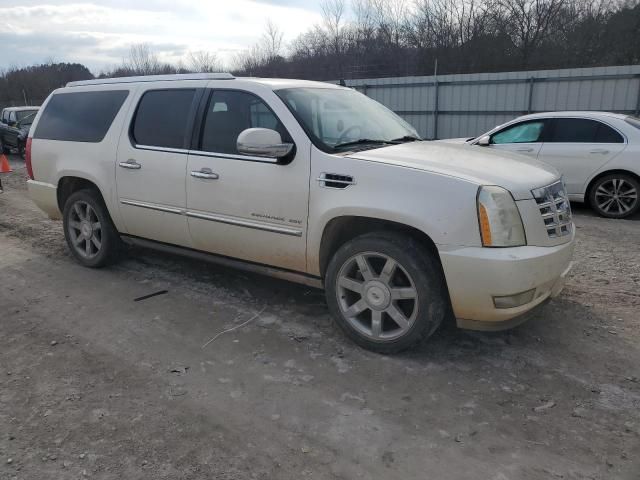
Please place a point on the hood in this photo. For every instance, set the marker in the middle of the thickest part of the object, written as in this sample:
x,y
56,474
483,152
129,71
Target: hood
x,y
483,166
456,140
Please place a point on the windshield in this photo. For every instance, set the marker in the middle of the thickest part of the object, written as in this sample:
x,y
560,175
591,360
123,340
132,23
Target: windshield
x,y
22,114
339,118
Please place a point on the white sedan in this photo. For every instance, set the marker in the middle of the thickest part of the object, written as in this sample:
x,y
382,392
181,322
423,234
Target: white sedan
x,y
598,154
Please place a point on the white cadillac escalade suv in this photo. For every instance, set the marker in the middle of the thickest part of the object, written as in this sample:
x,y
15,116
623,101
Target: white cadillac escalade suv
x,y
306,181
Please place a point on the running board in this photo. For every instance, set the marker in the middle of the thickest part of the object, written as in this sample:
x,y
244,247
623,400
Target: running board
x,y
296,277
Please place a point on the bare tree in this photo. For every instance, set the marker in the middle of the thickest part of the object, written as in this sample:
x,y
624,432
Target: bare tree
x,y
142,61
272,40
527,22
204,62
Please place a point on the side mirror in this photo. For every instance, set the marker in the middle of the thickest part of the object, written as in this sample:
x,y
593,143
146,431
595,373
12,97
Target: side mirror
x,y
484,141
263,142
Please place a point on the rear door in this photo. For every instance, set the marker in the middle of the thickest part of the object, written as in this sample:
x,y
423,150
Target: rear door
x,y
152,163
579,147
524,137
242,206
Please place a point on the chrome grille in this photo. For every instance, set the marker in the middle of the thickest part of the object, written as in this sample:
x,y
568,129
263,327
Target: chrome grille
x,y
555,209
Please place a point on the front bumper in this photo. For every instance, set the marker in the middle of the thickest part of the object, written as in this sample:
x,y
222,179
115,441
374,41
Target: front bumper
x,y
476,275
45,196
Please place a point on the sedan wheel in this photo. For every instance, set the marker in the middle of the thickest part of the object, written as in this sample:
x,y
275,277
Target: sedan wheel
x,y
615,196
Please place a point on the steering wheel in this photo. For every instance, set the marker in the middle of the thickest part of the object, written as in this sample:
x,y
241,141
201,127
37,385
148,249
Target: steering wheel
x,y
346,133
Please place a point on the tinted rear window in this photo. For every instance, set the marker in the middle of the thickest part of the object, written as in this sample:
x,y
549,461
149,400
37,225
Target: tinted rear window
x,y
582,130
80,116
162,117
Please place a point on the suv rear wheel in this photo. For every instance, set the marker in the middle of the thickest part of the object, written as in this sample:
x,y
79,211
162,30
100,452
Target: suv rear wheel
x,y
615,195
90,234
385,291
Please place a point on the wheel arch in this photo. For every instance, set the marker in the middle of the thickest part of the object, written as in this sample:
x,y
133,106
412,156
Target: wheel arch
x,y
69,184
340,230
587,196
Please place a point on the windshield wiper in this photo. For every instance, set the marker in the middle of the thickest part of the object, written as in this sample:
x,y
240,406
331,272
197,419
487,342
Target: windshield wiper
x,y
363,141
406,138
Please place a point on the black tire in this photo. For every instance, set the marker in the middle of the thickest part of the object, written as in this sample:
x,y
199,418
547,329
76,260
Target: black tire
x,y
107,245
623,192
418,271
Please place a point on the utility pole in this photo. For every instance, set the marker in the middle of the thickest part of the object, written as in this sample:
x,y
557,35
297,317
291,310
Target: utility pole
x,y
435,101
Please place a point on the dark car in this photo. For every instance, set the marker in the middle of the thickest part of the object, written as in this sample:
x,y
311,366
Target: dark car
x,y
15,123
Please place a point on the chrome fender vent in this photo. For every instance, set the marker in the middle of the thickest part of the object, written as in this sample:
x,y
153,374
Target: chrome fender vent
x,y
335,180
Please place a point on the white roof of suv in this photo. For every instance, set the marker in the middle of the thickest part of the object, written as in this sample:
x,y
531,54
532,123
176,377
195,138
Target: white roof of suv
x,y
270,82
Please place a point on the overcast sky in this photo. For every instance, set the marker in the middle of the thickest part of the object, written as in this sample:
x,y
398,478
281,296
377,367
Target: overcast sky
x,y
99,33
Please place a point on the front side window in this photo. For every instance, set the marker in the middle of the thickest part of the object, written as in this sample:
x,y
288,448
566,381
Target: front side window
x,y
582,130
162,117
333,117
229,113
80,116
526,132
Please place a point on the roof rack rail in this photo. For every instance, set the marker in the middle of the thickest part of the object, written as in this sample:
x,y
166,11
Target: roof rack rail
x,y
154,78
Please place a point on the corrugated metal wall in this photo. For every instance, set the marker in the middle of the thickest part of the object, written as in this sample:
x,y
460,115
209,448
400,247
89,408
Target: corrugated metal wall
x,y
468,105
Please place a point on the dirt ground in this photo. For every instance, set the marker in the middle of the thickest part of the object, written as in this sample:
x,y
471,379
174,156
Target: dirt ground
x,y
94,384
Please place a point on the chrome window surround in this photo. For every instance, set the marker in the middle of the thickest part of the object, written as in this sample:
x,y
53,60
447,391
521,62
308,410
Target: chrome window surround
x,y
555,209
199,153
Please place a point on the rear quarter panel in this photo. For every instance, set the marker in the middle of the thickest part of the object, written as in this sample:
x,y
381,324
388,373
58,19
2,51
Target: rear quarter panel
x,y
54,159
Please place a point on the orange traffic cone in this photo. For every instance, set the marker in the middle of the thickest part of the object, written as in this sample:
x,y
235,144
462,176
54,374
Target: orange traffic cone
x,y
4,165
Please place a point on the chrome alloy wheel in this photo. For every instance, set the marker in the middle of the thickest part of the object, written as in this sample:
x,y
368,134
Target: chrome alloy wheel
x,y
377,296
85,230
616,196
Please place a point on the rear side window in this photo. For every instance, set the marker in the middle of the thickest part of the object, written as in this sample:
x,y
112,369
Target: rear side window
x,y
582,130
162,118
80,116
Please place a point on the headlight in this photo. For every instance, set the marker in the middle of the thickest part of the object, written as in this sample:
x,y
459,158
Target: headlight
x,y
499,218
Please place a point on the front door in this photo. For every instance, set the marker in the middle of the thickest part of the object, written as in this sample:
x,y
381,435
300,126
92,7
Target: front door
x,y
579,147
246,207
152,164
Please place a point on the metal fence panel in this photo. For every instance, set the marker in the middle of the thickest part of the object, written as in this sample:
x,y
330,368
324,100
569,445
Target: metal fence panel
x,y
468,105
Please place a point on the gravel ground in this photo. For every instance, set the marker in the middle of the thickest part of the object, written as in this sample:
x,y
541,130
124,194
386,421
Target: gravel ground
x,y
96,385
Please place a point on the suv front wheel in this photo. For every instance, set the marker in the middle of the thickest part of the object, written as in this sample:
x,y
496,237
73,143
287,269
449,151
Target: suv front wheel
x,y
90,234
385,291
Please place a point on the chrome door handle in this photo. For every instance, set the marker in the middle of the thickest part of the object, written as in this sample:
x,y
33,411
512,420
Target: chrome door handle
x,y
131,164
599,151
205,173
527,150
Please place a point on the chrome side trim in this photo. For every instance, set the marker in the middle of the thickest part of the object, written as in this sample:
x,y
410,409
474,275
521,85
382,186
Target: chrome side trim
x,y
252,158
153,206
245,223
267,227
161,149
302,278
